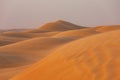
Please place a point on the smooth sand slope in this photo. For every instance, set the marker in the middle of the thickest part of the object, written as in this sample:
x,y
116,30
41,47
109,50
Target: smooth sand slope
x,y
16,34
92,58
25,34
28,51
59,54
44,34
79,33
9,37
7,73
47,30
5,40
107,28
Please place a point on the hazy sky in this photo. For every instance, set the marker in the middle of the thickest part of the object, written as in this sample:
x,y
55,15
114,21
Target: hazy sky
x,y
33,13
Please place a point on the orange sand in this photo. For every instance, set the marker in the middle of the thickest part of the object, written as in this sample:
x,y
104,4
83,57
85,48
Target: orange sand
x,y
60,51
80,60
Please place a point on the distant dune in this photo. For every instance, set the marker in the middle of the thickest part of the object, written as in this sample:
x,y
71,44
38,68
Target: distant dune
x,y
49,29
58,25
60,50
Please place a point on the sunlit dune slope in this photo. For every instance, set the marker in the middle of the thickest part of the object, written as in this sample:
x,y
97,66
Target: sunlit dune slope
x,y
7,73
92,58
87,31
107,28
77,33
28,51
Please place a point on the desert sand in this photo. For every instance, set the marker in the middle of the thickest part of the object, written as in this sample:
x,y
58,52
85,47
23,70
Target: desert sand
x,y
60,50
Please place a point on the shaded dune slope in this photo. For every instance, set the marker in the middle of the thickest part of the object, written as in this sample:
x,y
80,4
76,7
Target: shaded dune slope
x,y
28,51
93,58
16,34
44,34
28,35
7,38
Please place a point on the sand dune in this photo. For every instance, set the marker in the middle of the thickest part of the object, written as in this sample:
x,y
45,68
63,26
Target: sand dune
x,y
5,40
13,37
77,33
47,30
59,26
91,58
7,73
36,31
12,30
62,50
87,31
44,34
16,34
28,35
25,53
28,51
107,28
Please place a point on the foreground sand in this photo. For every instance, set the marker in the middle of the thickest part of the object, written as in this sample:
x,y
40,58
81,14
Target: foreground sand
x,y
61,51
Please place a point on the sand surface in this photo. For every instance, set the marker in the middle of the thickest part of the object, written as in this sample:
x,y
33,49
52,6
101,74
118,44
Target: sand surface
x,y
60,50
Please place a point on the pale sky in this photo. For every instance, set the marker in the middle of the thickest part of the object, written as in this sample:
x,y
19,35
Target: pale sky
x,y
34,13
